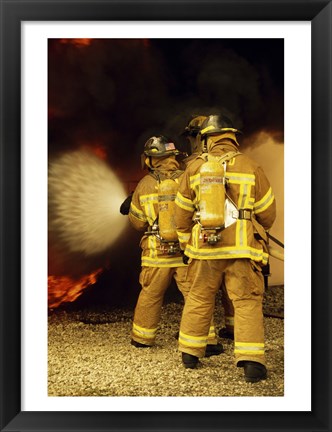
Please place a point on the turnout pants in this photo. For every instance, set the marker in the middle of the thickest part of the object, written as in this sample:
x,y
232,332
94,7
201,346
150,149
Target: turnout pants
x,y
154,282
228,309
245,287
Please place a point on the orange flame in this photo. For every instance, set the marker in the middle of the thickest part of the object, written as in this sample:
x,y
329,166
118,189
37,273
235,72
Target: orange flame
x,y
63,289
76,42
97,148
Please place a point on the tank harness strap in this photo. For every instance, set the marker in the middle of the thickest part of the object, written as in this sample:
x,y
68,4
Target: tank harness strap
x,y
244,214
228,156
160,176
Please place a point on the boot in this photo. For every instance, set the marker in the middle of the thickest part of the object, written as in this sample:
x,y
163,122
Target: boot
x,y
254,371
224,333
212,350
139,345
189,361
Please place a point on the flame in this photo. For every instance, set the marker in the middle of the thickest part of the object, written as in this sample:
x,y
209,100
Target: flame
x,y
76,42
96,148
63,289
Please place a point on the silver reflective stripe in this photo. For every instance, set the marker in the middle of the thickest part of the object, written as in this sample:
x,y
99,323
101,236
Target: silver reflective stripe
x,y
139,216
224,252
248,348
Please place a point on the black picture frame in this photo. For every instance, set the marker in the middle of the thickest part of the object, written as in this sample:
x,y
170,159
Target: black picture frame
x,y
319,13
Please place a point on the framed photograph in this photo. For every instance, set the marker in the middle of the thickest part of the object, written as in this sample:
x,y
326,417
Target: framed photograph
x,y
84,85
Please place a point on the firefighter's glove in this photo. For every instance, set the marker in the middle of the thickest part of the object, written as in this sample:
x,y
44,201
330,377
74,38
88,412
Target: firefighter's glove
x,y
125,206
185,258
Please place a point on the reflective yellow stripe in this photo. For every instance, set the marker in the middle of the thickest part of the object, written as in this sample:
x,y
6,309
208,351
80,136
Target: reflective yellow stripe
x,y
250,344
249,352
227,252
195,235
152,245
250,348
212,332
239,178
148,198
184,203
251,202
192,341
148,202
144,332
138,214
265,202
183,237
195,182
162,262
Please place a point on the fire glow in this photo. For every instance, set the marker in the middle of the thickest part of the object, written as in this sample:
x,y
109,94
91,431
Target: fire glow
x,y
64,289
77,42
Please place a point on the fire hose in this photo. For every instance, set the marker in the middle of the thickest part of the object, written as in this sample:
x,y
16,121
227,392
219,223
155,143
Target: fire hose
x,y
273,251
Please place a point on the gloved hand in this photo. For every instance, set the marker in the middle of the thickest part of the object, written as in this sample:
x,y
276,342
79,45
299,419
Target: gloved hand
x,y
125,206
185,258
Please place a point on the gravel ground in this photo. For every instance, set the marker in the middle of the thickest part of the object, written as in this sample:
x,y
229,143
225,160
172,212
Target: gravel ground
x,y
89,354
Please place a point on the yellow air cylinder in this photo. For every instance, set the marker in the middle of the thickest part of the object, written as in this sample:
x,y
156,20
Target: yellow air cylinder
x,y
212,195
166,195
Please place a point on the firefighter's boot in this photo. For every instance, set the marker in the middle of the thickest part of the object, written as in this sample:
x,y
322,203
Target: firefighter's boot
x,y
224,333
254,371
139,345
189,361
212,350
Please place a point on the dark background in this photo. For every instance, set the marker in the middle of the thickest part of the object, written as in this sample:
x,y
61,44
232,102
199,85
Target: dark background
x,y
112,94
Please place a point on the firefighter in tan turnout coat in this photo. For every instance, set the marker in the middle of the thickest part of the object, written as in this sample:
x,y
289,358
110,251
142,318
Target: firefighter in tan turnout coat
x,y
191,132
231,249
152,211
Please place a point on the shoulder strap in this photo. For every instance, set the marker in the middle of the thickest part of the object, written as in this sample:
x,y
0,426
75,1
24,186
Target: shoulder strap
x,y
154,175
224,158
204,156
176,174
228,156
160,176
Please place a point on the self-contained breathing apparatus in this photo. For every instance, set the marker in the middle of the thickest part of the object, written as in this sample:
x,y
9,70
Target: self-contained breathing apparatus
x,y
163,228
216,210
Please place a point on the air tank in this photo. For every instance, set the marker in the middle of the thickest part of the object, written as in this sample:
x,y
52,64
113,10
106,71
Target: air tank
x,y
167,190
212,195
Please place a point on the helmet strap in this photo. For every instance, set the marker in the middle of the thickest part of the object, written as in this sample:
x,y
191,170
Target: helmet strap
x,y
205,139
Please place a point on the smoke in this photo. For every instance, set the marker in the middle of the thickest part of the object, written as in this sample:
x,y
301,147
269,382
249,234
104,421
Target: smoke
x,y
132,89
84,200
266,151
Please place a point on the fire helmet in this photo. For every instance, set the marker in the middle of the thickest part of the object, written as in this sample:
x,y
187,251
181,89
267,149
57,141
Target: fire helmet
x,y
217,124
194,126
159,146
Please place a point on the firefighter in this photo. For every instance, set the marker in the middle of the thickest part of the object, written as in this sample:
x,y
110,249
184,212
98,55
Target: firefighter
x,y
232,250
152,211
191,132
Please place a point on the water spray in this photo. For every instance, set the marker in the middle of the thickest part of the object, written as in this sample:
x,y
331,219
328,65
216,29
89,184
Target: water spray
x,y
84,200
